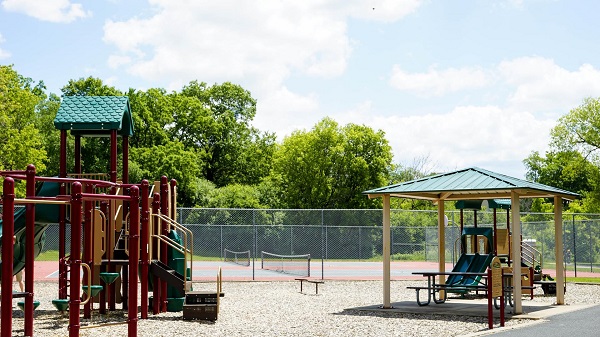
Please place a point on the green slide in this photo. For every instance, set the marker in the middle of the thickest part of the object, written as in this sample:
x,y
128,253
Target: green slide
x,y
44,215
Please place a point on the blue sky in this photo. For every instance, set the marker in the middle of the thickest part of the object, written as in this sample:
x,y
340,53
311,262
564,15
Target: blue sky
x,y
452,83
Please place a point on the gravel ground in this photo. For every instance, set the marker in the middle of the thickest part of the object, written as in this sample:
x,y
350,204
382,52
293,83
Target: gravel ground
x,y
278,309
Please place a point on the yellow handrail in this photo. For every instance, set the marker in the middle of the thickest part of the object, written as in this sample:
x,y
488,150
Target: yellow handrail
x,y
188,241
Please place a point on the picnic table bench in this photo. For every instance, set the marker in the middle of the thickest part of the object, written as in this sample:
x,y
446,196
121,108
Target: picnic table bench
x,y
434,288
316,282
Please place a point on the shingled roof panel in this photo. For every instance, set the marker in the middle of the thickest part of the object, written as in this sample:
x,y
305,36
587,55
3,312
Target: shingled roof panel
x,y
93,115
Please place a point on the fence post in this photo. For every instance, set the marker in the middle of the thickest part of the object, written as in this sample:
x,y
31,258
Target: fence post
x,y
323,245
253,242
591,252
359,245
574,246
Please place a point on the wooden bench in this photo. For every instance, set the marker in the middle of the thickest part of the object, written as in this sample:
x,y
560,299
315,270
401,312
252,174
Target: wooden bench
x,y
316,282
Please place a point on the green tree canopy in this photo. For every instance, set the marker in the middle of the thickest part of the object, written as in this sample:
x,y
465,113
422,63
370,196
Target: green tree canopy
x,y
330,166
20,140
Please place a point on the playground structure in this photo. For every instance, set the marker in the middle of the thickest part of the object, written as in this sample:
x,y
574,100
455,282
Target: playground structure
x,y
118,230
479,246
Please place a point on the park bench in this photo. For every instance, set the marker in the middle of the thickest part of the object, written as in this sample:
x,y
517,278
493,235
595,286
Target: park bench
x,y
316,282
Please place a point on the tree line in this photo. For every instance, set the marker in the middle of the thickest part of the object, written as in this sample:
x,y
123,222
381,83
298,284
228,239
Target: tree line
x,y
202,136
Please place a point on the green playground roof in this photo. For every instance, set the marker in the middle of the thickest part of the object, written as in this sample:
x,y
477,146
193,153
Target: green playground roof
x,y
95,115
467,184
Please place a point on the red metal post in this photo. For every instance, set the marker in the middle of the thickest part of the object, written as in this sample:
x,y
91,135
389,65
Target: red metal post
x,y
8,229
75,261
77,154
29,250
125,177
145,218
87,245
156,282
113,156
490,300
105,294
62,222
112,305
502,302
164,209
134,239
173,210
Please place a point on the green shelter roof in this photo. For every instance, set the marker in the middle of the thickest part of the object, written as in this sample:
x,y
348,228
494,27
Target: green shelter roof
x,y
470,183
95,115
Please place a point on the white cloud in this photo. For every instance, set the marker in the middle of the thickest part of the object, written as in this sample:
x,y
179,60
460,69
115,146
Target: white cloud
x,y
244,41
437,83
486,136
540,84
284,112
62,11
3,54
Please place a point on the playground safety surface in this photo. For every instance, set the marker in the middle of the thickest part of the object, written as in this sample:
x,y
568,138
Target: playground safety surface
x,y
477,308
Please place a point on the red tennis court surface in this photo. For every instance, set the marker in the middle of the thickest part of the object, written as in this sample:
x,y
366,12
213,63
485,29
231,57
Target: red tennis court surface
x,y
334,270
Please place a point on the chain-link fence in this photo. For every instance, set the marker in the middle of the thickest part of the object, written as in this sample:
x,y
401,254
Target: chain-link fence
x,y
357,234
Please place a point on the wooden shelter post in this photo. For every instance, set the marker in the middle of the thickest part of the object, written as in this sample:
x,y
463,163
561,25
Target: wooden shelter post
x,y
442,242
386,252
558,252
516,251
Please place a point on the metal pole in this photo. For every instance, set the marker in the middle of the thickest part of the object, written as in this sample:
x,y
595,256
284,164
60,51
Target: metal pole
x,y
29,251
134,237
8,221
253,241
323,246
574,246
74,301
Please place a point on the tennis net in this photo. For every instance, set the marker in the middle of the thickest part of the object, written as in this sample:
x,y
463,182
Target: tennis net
x,y
241,258
288,264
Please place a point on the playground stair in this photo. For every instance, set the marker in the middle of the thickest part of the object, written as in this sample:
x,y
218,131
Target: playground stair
x,y
171,276
202,305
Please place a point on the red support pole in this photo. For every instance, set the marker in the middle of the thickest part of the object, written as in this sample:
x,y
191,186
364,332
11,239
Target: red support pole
x,y
112,305
489,296
134,256
105,294
77,154
156,282
502,303
145,218
125,177
164,210
75,261
173,209
87,246
62,222
113,156
29,251
8,229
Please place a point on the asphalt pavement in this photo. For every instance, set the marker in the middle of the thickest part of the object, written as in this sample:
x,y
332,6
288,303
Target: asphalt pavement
x,y
584,322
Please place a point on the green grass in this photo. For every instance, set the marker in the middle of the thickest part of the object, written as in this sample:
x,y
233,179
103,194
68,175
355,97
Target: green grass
x,y
49,255
584,279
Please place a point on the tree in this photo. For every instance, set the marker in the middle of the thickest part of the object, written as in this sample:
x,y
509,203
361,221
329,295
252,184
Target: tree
x,y
152,117
572,164
215,122
20,140
170,160
330,166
